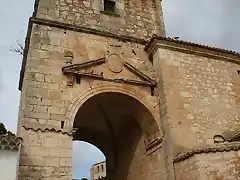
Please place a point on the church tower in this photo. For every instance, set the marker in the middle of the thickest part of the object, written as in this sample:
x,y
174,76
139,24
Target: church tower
x,y
132,18
103,72
76,50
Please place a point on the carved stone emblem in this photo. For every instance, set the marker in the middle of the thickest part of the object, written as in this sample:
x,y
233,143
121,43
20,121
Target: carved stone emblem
x,y
68,56
115,63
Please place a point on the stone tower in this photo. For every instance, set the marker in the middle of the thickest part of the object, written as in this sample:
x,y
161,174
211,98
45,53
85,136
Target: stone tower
x,y
85,76
102,71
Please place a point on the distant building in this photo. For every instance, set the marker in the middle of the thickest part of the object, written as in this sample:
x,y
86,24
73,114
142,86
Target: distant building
x,y
98,171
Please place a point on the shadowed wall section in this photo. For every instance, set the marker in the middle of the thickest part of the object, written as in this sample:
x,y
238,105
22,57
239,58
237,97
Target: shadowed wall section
x,y
122,128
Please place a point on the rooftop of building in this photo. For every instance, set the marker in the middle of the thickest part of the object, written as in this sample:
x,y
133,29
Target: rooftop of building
x,y
170,39
98,163
10,142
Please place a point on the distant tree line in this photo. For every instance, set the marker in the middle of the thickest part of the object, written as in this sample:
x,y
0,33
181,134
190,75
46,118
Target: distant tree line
x,y
3,130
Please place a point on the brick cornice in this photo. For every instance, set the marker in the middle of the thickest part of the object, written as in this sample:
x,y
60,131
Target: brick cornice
x,y
46,128
190,48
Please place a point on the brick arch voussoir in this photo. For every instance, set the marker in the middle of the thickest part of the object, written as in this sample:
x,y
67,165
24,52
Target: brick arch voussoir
x,y
80,99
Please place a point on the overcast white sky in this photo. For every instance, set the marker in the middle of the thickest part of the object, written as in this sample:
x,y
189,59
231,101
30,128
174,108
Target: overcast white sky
x,y
211,22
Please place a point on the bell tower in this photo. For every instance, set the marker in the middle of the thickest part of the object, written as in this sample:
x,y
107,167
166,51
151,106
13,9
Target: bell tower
x,y
132,18
75,49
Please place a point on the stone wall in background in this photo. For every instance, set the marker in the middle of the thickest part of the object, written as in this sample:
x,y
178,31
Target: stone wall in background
x,y
214,166
203,97
199,91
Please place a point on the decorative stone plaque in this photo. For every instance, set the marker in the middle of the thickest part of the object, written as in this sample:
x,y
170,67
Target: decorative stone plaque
x,y
68,57
115,63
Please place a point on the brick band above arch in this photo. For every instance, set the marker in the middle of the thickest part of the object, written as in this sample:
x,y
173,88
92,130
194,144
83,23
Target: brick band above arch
x,y
80,99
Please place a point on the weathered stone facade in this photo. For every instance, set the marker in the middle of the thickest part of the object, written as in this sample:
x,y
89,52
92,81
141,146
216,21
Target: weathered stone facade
x,y
152,107
137,18
201,100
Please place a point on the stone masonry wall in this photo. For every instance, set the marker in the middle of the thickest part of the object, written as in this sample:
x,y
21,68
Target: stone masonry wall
x,y
45,155
135,18
214,166
46,99
134,159
202,99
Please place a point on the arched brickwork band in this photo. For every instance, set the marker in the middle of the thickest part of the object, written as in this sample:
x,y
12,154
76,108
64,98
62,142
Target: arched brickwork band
x,y
124,123
79,100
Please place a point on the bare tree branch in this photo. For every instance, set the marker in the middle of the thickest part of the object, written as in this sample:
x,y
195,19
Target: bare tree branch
x,y
18,48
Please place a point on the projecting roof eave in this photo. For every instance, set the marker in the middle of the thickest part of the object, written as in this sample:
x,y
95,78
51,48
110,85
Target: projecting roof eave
x,y
10,142
190,48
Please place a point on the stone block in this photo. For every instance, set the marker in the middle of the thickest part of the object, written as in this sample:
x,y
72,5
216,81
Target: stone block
x,y
65,162
40,151
32,100
56,110
40,109
48,171
229,155
65,143
42,93
58,117
37,115
52,161
60,152
184,94
43,102
51,142
55,95
32,160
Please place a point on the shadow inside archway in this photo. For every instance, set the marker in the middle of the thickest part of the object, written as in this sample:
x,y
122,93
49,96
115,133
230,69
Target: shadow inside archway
x,y
122,128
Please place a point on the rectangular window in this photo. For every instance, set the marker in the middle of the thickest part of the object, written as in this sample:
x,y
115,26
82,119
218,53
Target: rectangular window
x,y
98,169
102,168
109,6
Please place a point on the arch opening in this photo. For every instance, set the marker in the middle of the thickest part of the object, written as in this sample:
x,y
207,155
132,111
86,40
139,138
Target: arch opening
x,y
85,161
123,128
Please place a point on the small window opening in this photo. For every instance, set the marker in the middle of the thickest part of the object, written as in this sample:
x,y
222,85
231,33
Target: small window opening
x,y
98,169
78,79
152,91
109,6
238,71
133,52
102,167
62,124
218,139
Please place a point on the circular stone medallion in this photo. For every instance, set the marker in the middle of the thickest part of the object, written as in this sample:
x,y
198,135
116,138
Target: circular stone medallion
x,y
115,63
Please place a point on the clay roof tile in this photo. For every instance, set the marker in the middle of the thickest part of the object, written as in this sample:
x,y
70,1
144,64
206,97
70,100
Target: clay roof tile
x,y
10,142
169,39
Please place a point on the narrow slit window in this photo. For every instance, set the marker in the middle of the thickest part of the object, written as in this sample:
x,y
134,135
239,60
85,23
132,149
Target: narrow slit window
x,y
62,124
109,6
152,91
78,79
